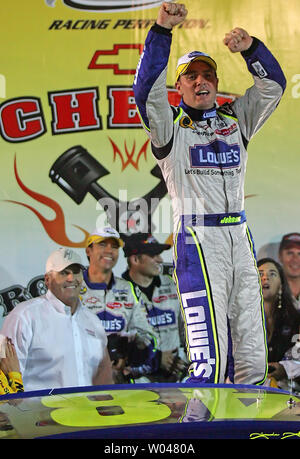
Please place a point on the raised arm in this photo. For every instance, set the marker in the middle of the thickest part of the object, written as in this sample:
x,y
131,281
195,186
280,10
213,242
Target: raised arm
x,y
260,100
149,85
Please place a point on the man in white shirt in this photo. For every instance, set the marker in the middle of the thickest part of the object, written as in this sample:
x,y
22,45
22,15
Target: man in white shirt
x,y
58,341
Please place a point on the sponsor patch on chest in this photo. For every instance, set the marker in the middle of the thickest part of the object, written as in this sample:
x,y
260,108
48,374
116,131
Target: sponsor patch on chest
x,y
112,323
217,154
160,318
227,130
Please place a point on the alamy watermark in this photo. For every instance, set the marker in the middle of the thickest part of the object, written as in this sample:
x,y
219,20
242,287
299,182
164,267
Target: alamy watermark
x,y
153,216
296,86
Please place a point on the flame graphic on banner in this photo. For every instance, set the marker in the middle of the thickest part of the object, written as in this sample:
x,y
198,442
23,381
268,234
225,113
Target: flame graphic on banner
x,y
130,160
54,228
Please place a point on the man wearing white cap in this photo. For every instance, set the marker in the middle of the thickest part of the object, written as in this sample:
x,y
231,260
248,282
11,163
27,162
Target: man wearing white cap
x,y
202,152
58,341
114,301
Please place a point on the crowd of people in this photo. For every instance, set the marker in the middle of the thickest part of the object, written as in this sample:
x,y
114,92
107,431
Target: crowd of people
x,y
281,287
93,327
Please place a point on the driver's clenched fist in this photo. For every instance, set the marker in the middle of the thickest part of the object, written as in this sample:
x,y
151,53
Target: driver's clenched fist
x,y
171,14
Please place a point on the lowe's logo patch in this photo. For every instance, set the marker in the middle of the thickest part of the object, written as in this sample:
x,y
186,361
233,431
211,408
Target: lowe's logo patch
x,y
110,322
215,154
160,318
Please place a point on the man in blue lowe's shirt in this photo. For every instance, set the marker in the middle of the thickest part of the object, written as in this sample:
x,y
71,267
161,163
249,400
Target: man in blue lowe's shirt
x,y
202,151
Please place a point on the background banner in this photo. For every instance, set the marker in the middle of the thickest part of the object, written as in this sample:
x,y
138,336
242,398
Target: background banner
x,y
73,153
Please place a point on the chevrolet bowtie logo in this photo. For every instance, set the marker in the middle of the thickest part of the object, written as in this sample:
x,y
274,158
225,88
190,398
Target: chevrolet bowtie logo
x,y
98,56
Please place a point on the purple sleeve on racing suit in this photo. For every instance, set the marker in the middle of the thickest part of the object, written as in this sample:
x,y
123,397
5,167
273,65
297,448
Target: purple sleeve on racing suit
x,y
261,62
155,57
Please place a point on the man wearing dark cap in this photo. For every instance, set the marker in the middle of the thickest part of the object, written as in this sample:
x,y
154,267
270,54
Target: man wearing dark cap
x,y
158,293
289,257
202,151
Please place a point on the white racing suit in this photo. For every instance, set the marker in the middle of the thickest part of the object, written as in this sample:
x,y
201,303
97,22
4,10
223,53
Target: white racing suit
x,y
164,315
121,313
203,156
163,312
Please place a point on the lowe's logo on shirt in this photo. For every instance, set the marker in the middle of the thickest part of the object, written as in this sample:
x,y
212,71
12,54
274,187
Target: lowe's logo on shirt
x,y
215,154
159,318
110,322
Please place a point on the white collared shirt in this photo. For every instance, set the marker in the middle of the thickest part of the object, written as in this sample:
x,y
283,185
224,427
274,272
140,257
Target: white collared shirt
x,y
55,348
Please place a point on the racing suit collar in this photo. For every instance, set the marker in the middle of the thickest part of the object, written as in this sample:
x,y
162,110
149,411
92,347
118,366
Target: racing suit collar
x,y
98,285
156,279
147,290
198,115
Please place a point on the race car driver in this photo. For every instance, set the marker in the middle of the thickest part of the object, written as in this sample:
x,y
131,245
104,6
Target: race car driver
x,y
202,152
113,300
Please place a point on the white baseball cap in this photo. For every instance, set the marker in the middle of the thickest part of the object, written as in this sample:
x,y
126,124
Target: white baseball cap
x,y
61,259
100,234
184,61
